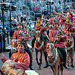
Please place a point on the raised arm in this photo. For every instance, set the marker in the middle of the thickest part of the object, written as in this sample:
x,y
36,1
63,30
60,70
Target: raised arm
x,y
14,35
2,57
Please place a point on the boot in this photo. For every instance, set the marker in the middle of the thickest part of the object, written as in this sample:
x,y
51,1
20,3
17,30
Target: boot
x,y
66,67
45,54
64,57
30,54
30,67
46,65
33,41
64,60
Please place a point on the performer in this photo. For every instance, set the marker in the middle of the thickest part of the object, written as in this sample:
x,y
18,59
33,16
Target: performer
x,y
16,34
21,58
54,35
52,19
42,27
21,34
69,14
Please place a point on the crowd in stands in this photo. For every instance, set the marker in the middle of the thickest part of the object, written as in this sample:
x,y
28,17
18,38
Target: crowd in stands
x,y
39,6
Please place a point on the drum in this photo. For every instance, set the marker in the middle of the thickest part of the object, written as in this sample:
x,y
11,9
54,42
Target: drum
x,y
11,71
31,72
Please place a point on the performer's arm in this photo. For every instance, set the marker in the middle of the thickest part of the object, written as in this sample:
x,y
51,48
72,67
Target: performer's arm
x,y
3,58
14,35
25,63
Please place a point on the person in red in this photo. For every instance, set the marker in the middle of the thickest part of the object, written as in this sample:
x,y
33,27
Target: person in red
x,y
22,34
54,36
16,34
21,58
34,8
37,26
41,26
70,14
52,19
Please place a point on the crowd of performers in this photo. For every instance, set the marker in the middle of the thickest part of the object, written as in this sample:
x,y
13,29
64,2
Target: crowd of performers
x,y
57,30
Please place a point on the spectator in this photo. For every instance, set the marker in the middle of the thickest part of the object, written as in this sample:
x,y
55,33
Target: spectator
x,y
14,21
8,28
34,8
73,5
12,2
59,2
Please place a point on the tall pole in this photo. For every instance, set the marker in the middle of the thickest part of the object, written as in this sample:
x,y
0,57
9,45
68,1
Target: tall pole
x,y
3,28
1,48
47,7
10,23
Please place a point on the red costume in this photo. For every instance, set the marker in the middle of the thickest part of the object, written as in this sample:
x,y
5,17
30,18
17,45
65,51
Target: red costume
x,y
38,26
71,16
52,35
52,20
17,36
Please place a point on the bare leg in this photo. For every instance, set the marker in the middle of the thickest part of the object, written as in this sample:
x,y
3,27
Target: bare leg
x,y
40,60
71,56
68,58
36,54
